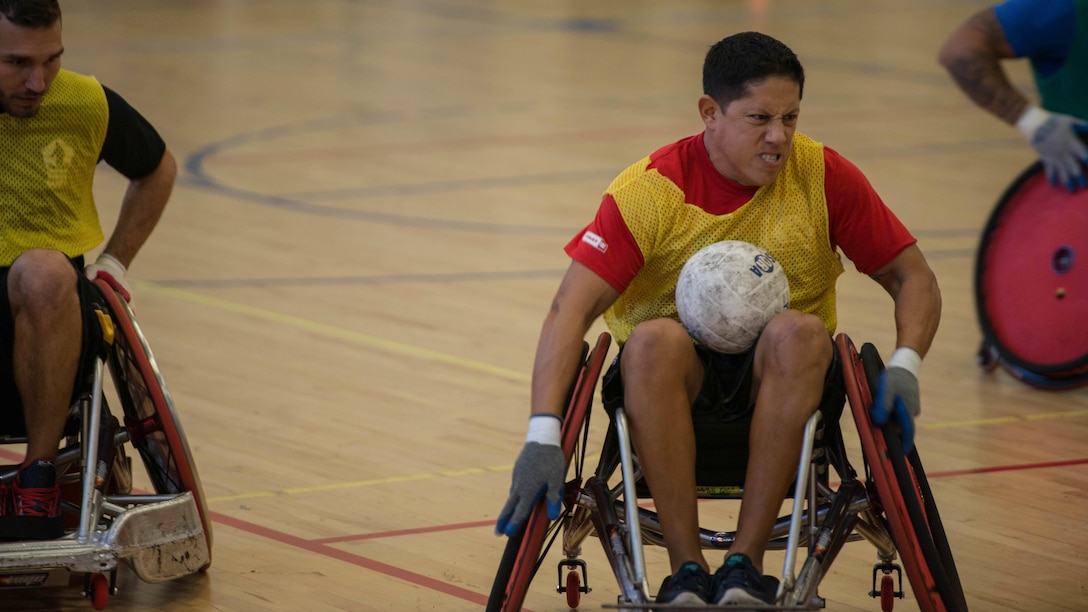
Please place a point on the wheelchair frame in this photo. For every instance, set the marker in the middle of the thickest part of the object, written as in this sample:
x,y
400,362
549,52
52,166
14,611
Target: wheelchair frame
x,y
162,536
893,509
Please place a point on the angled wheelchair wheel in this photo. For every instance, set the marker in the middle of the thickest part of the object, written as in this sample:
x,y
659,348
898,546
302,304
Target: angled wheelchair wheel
x,y
526,549
902,491
150,418
1031,283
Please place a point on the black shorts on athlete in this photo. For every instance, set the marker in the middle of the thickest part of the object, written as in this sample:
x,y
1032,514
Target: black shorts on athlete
x,y
722,412
11,405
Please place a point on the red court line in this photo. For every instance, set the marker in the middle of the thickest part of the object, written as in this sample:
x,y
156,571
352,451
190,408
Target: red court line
x,y
1008,468
334,553
321,546
404,532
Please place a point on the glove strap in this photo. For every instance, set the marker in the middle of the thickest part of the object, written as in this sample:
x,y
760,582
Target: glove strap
x,y
1030,120
111,264
906,358
544,429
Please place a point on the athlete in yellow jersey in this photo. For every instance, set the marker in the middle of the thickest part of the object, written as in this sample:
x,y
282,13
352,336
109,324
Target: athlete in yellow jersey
x,y
749,175
55,126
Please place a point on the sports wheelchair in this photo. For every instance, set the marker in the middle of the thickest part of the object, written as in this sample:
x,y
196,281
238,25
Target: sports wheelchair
x,y
1031,284
162,535
892,508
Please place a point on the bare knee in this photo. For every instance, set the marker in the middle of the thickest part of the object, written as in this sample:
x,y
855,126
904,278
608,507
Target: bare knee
x,y
659,357
42,282
791,362
794,343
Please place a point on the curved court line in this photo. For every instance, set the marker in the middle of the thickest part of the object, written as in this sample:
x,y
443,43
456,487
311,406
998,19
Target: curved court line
x,y
334,212
339,333
197,176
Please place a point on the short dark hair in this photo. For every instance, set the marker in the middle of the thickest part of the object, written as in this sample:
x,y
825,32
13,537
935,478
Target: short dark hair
x,y
736,62
30,13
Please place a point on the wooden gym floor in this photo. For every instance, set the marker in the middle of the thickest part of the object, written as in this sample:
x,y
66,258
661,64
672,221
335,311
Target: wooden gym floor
x,y
345,292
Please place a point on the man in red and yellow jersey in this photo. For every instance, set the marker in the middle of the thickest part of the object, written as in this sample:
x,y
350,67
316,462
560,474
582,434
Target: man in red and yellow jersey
x,y
748,176
56,126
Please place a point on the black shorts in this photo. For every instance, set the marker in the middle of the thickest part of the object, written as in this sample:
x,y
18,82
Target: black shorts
x,y
11,405
722,412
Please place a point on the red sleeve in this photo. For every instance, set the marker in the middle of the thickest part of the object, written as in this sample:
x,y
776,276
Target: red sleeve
x,y
607,247
866,230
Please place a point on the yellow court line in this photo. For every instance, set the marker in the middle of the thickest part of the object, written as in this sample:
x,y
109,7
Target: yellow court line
x,y
358,483
479,366
1056,415
973,423
1061,414
590,458
340,333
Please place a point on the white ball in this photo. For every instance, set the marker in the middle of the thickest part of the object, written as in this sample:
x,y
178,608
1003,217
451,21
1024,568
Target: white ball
x,y
728,291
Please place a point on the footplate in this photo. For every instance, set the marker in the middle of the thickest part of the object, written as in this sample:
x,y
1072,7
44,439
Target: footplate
x,y
161,540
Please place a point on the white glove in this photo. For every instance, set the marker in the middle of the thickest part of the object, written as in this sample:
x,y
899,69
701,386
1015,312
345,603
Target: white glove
x,y
1056,137
113,272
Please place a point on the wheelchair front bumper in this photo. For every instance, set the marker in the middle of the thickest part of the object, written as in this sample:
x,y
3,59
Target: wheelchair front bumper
x,y
162,540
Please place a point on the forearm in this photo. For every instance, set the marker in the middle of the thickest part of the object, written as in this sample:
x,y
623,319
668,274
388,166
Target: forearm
x,y
141,208
973,55
556,363
917,312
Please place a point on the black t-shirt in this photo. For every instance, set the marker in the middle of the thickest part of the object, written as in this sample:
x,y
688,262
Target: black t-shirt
x,y
132,146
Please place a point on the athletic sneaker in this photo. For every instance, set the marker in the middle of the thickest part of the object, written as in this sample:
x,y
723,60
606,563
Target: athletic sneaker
x,y
34,513
689,586
738,582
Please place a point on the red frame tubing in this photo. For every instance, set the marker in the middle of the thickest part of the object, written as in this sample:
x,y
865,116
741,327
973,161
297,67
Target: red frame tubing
x,y
171,429
536,527
887,487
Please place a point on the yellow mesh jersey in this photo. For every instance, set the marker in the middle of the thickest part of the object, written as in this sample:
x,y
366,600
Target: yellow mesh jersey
x,y
788,218
48,169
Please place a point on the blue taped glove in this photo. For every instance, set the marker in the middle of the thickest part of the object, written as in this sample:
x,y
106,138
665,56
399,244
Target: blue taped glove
x,y
539,470
897,397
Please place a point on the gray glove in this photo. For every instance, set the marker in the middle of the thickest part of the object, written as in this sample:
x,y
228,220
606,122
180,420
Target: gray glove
x,y
897,398
1056,137
540,469
899,383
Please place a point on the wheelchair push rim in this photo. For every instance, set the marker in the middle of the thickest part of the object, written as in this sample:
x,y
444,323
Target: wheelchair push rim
x,y
525,550
902,492
1031,282
150,417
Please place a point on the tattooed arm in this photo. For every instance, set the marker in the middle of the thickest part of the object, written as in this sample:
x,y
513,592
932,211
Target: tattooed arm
x,y
972,55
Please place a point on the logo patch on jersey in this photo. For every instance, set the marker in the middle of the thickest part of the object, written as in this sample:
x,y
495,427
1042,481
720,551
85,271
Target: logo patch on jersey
x,y
595,241
57,156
